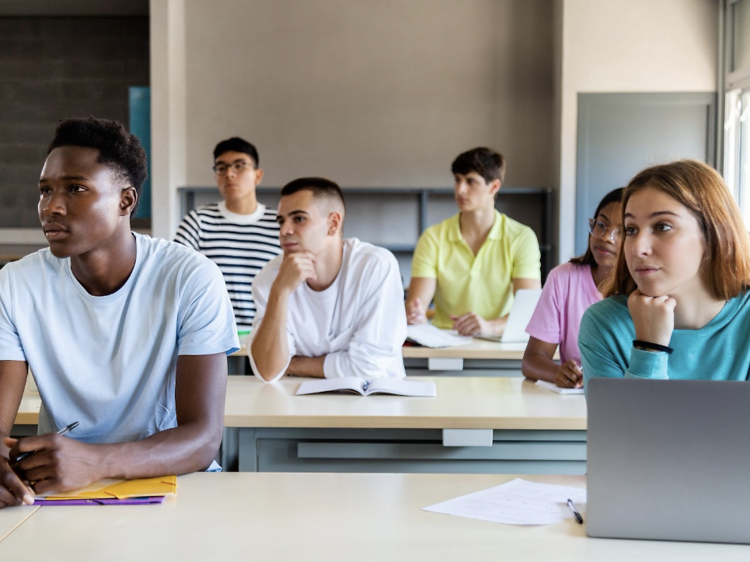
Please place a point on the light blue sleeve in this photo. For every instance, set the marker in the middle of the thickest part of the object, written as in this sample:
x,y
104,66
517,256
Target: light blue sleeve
x,y
10,342
206,324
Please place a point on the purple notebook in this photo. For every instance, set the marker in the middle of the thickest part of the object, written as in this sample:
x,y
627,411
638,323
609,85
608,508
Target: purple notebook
x,y
112,501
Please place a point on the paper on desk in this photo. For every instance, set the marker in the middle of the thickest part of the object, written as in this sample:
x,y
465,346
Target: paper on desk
x,y
430,336
518,502
554,388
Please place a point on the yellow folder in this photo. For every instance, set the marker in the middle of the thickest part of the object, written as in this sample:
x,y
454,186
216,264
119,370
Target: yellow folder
x,y
122,489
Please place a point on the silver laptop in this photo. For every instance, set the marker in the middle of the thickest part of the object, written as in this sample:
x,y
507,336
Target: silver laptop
x,y
669,460
524,303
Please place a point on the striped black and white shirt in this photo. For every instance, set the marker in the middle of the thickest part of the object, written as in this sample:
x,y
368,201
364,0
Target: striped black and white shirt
x,y
239,244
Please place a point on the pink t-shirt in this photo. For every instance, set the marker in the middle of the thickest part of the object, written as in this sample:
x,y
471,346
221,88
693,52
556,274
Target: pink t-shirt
x,y
568,292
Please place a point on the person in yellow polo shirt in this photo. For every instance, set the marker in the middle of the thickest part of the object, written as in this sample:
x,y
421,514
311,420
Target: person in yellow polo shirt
x,y
475,261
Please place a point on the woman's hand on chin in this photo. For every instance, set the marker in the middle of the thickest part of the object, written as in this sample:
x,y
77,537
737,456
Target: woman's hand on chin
x,y
653,317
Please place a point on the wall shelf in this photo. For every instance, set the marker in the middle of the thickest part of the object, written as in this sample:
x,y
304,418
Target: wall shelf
x,y
395,217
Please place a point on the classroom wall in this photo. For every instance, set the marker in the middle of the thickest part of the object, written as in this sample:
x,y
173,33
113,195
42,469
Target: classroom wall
x,y
53,68
370,93
627,46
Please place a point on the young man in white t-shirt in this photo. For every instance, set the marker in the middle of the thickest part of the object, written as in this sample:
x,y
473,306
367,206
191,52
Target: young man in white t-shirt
x,y
126,335
238,234
328,307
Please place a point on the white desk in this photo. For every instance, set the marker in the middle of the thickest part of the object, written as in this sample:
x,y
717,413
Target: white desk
x,y
470,402
12,518
530,430
326,518
269,429
478,358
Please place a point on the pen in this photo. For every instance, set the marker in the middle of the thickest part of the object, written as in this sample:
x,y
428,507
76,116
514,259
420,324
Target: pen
x,y
63,431
572,507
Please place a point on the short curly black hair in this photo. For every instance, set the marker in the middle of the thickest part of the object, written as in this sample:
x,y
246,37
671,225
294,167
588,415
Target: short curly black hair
x,y
117,148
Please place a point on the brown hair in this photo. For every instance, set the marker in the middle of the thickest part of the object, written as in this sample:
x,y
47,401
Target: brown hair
x,y
700,188
488,163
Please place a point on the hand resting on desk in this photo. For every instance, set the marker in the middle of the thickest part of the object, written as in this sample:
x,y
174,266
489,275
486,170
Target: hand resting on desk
x,y
57,464
471,324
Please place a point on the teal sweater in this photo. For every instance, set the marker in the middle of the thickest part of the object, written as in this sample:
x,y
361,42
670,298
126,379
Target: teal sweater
x,y
720,350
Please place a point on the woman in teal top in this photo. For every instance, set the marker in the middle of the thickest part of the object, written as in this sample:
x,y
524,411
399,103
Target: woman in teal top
x,y
678,305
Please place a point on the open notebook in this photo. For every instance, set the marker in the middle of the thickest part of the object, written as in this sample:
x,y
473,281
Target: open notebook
x,y
363,387
115,492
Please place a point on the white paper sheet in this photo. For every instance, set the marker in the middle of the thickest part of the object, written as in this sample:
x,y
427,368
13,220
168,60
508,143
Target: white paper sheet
x,y
554,388
430,336
518,502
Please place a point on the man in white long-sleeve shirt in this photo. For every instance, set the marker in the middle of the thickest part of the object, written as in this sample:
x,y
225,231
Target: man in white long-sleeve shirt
x,y
327,307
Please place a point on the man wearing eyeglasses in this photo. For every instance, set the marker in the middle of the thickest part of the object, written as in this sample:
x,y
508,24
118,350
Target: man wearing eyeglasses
x,y
239,234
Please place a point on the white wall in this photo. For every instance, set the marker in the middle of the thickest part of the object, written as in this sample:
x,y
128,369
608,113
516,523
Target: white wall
x,y
168,114
387,92
627,46
370,93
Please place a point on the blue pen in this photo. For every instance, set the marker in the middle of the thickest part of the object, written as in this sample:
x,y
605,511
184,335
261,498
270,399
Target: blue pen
x,y
63,431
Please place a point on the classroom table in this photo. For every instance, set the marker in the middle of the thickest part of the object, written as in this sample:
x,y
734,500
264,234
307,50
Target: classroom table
x,y
479,358
10,519
475,424
513,427
326,518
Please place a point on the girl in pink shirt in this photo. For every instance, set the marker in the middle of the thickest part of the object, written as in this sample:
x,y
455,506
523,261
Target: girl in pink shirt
x,y
570,289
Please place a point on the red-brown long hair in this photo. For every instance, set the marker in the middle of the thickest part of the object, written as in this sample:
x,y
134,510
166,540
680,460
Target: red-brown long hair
x,y
700,188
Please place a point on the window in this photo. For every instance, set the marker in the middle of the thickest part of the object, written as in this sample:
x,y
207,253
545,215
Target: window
x,y
737,104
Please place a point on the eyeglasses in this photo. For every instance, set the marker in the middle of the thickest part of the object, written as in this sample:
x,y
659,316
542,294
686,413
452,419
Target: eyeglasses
x,y
598,229
238,167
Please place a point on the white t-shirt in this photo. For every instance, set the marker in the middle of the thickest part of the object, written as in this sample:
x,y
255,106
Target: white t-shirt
x,y
110,362
358,323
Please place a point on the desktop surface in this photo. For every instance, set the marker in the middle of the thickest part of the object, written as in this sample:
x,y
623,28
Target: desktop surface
x,y
476,349
11,518
465,402
461,403
322,517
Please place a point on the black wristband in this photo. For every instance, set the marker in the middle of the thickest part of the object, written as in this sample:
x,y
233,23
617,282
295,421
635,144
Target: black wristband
x,y
652,346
